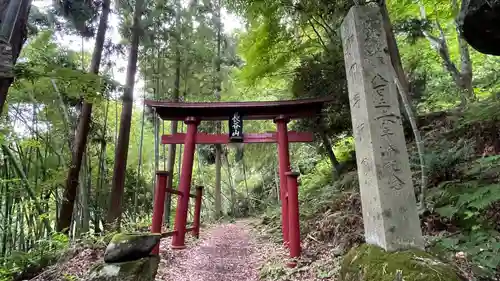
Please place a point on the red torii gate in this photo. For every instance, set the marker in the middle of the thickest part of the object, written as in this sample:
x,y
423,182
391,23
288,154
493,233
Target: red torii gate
x,y
192,113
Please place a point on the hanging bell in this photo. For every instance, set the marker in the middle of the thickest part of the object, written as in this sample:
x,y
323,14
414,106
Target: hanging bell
x,y
480,25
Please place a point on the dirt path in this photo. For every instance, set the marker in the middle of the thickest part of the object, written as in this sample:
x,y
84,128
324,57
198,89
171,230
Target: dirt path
x,y
226,252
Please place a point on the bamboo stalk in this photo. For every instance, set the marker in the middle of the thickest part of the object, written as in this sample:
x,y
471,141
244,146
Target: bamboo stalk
x,y
26,184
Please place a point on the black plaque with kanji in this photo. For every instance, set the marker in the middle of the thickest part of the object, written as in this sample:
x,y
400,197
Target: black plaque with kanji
x,y
236,128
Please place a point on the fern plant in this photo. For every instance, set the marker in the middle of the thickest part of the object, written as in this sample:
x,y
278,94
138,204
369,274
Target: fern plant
x,y
482,248
444,160
467,202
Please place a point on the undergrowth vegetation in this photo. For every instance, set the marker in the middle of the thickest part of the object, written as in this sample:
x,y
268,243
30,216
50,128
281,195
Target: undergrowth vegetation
x,y
245,50
462,201
44,253
24,265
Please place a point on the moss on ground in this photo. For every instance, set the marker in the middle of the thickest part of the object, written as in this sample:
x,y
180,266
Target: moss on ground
x,y
371,263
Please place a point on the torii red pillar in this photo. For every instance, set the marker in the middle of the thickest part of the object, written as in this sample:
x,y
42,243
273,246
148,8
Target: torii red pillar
x,y
160,190
284,166
185,183
293,217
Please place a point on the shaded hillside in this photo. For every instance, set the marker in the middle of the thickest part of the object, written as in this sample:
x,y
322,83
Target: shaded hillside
x,y
461,221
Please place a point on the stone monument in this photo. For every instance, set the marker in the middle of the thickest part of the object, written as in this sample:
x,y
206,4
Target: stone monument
x,y
388,200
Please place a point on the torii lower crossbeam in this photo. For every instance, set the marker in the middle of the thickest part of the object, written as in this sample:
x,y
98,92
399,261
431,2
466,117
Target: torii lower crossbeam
x,y
204,138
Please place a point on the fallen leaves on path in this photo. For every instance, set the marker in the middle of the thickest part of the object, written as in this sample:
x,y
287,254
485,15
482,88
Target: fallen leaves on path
x,y
225,252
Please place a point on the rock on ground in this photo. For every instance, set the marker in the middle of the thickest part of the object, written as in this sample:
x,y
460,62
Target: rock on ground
x,y
138,270
129,247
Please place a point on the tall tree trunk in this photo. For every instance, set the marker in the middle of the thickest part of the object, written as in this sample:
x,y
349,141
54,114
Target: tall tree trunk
x,y
85,194
173,126
139,166
465,59
66,211
329,150
101,173
121,151
14,18
393,47
231,186
156,125
244,166
30,227
20,217
156,120
6,204
218,180
170,169
218,147
14,234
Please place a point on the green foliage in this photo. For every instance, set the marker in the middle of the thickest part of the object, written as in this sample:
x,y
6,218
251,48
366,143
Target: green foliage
x,y
343,149
287,51
481,246
44,253
444,159
412,28
468,200
81,14
324,76
485,110
317,180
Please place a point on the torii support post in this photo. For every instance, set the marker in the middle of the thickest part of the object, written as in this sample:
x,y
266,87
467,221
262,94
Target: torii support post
x,y
160,191
197,212
185,184
293,217
284,166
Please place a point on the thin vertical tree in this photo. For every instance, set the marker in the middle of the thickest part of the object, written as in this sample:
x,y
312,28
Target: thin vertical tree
x,y
66,211
121,150
175,98
218,147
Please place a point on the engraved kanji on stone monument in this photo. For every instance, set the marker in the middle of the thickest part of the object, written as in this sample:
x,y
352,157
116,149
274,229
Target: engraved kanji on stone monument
x,y
389,207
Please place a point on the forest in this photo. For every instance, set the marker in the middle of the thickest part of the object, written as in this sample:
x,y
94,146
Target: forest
x,y
79,149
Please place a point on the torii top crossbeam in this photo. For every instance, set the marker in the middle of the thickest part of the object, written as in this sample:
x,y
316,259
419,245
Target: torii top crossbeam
x,y
254,110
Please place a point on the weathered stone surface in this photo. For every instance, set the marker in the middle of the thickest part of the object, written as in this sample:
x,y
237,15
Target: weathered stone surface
x,y
128,247
370,263
139,270
388,201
